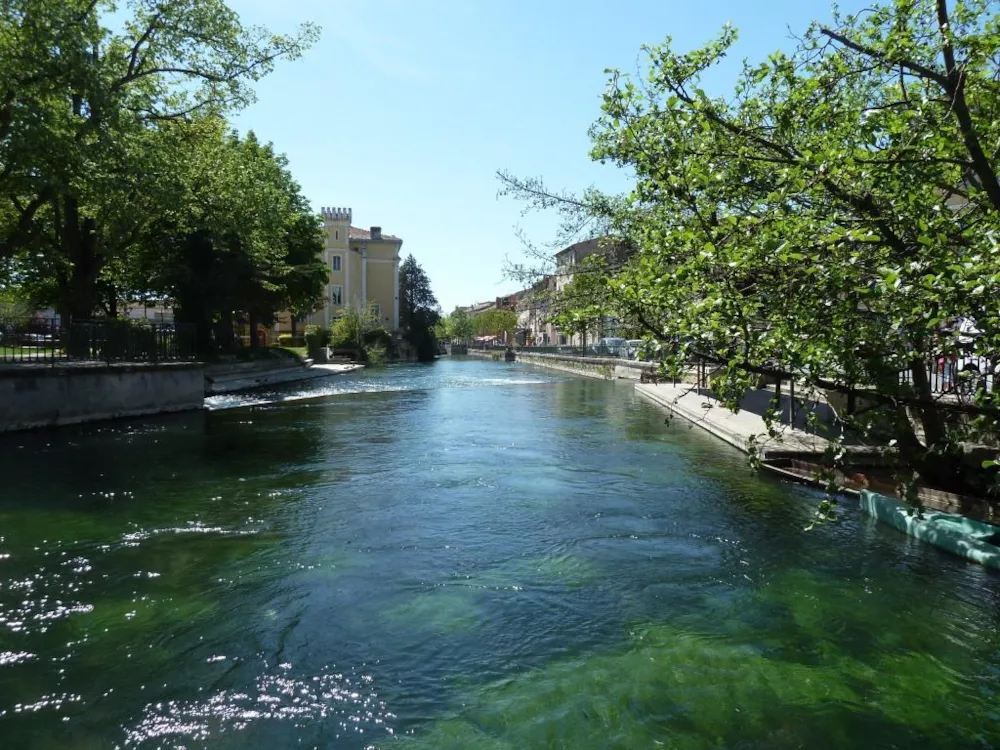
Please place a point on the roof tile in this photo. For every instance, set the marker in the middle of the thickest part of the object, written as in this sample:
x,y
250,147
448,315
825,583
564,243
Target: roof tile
x,y
356,233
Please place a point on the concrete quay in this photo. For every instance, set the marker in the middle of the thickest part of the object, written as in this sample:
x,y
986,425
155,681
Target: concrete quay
x,y
222,381
736,428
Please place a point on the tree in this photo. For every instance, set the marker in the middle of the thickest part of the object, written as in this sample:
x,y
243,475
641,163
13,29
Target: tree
x,y
305,272
245,246
823,224
362,331
442,329
586,304
418,309
457,326
86,118
462,327
498,323
14,308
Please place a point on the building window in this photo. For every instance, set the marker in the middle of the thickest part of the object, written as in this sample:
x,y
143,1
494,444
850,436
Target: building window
x,y
336,234
337,294
335,262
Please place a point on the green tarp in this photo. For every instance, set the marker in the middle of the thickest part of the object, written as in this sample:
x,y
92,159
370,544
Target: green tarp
x,y
956,534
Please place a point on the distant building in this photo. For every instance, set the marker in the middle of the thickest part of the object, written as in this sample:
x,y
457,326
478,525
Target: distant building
x,y
615,253
478,308
156,311
534,308
534,305
363,268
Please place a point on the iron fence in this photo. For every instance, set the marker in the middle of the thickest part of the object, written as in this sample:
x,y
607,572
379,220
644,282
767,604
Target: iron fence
x,y
609,351
49,341
960,374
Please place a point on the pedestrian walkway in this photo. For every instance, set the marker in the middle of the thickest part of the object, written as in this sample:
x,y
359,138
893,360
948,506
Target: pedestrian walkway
x,y
684,400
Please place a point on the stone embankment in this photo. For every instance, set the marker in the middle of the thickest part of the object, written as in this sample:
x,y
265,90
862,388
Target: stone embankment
x,y
245,376
50,395
46,395
600,368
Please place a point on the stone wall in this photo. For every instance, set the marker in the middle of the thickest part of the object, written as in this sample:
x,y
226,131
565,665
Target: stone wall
x,y
602,368
45,396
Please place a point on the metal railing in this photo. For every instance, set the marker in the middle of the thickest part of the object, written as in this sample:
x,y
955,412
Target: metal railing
x,y
48,341
958,373
621,351
961,374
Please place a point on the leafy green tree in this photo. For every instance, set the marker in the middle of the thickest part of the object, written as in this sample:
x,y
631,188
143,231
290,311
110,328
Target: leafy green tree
x,y
362,331
304,274
586,304
457,326
442,329
247,245
418,309
14,306
495,322
825,222
462,327
86,121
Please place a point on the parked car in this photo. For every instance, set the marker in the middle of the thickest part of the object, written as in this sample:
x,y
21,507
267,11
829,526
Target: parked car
x,y
635,349
610,347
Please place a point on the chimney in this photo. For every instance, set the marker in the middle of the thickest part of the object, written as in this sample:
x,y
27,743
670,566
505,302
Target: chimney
x,y
376,233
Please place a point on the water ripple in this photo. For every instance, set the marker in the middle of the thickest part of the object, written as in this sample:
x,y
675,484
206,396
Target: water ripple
x,y
345,699
193,527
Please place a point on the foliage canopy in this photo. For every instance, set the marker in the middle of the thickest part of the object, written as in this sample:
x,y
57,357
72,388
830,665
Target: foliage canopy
x,y
828,221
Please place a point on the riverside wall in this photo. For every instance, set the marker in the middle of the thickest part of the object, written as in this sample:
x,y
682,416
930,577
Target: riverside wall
x,y
46,396
601,368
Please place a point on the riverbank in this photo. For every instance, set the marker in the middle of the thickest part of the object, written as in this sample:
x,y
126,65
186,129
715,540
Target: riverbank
x,y
43,395
744,429
245,376
53,395
959,524
598,368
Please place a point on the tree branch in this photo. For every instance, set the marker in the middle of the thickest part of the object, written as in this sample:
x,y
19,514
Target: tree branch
x,y
914,67
133,58
954,84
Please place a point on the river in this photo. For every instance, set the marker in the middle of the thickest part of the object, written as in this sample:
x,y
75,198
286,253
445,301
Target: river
x,y
463,555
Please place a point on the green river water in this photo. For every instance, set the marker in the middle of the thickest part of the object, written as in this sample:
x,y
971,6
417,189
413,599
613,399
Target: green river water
x,y
463,555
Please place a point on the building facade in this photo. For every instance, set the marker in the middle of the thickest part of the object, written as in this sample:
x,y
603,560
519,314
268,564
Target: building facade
x,y
363,268
534,310
535,305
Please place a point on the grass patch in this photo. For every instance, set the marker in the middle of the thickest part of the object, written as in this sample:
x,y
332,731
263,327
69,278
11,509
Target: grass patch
x,y
297,351
28,353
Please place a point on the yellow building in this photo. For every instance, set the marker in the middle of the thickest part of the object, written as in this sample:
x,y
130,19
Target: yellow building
x,y
363,267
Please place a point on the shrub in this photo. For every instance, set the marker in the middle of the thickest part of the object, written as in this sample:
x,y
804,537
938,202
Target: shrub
x,y
316,338
375,354
378,337
344,331
356,331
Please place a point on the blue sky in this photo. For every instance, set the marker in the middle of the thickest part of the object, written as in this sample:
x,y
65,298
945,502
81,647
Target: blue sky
x,y
405,109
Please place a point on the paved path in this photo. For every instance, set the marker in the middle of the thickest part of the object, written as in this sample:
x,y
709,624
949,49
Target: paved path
x,y
735,429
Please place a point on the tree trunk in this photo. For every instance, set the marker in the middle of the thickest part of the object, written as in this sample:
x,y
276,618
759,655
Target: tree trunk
x,y
252,319
112,301
940,463
930,417
224,332
79,292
